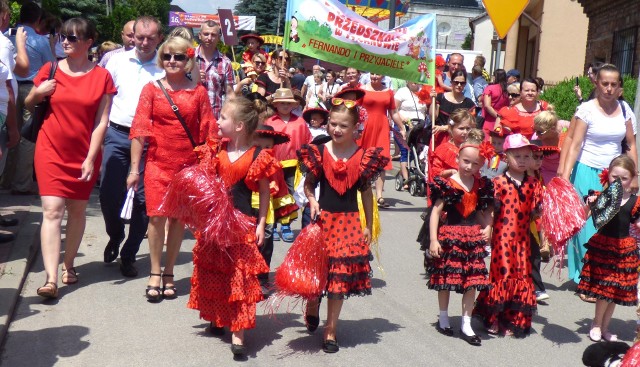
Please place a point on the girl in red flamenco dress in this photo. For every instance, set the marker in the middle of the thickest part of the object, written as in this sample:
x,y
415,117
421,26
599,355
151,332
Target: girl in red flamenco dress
x,y
341,168
610,271
507,308
226,259
457,245
444,158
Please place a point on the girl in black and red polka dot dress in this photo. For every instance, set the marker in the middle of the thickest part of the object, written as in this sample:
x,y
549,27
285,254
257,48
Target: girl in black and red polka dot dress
x,y
341,169
457,244
508,307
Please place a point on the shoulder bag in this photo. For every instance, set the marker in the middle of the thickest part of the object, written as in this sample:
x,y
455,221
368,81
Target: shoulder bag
x,y
32,126
178,115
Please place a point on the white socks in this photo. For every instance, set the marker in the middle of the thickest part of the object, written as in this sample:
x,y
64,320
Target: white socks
x,y
443,319
466,326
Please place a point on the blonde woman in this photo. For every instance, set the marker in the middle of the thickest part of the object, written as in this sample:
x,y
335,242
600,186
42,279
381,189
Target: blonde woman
x,y
170,150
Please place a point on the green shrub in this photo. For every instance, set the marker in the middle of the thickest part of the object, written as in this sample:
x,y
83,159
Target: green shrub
x,y
565,102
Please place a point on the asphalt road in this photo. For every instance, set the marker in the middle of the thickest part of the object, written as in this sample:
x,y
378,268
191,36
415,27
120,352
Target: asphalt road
x,y
105,320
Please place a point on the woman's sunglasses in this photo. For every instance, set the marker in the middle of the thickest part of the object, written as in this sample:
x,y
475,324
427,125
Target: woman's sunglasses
x,y
455,82
258,63
71,38
514,95
176,57
346,102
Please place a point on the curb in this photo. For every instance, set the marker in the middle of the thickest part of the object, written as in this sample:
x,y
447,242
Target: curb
x,y
24,250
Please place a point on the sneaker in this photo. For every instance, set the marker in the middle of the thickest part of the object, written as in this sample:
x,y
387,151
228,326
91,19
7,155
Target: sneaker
x,y
286,233
541,296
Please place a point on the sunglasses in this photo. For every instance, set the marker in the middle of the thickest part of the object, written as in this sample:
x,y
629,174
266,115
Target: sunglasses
x,y
540,133
71,38
258,63
176,57
514,95
346,102
458,83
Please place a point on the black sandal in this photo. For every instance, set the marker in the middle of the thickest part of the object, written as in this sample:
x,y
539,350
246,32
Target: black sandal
x,y
171,288
312,322
330,346
382,204
154,298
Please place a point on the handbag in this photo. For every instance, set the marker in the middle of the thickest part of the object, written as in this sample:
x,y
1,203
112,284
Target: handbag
x,y
32,126
178,115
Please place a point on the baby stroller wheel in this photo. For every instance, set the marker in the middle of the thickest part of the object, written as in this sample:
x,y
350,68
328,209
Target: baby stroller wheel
x,y
413,188
399,181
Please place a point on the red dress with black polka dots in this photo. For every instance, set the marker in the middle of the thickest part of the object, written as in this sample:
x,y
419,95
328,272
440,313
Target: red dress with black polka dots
x,y
224,284
461,266
511,302
340,180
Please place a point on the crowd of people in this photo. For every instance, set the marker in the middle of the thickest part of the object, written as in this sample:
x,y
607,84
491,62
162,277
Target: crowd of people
x,y
177,139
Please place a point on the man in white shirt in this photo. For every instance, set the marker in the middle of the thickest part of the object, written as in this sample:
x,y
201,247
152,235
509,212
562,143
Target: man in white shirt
x,y
127,43
130,70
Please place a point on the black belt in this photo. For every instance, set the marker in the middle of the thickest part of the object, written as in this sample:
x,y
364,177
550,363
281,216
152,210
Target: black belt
x,y
25,82
118,127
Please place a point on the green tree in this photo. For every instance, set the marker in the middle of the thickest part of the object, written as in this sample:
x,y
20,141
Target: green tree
x,y
266,13
468,39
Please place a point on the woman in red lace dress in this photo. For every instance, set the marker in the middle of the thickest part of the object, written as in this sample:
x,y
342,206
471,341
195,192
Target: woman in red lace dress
x,y
169,151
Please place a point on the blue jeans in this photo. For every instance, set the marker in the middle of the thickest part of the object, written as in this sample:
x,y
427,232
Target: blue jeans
x,y
116,161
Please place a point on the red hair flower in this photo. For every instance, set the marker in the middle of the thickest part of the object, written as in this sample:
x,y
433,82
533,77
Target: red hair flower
x,y
604,177
486,150
191,53
363,115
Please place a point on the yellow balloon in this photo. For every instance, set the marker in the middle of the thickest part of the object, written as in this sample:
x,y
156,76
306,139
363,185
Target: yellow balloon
x,y
504,13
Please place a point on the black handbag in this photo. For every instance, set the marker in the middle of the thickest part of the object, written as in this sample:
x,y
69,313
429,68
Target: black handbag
x,y
32,126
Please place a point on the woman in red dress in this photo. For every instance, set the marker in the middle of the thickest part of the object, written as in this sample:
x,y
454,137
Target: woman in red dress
x,y
170,150
519,118
68,146
379,102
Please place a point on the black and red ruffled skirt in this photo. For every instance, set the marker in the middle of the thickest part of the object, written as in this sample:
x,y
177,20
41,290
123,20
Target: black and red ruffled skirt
x,y
348,253
610,270
461,266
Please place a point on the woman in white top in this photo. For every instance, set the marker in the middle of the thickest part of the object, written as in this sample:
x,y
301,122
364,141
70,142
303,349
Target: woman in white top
x,y
330,87
315,93
409,107
601,125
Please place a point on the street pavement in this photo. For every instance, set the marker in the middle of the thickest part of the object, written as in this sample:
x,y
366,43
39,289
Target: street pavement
x,y
104,320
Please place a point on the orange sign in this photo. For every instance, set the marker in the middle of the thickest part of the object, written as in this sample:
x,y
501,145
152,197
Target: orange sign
x,y
504,13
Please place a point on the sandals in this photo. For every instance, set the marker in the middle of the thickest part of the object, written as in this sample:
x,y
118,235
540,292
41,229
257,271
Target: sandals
x,y
170,288
330,346
382,204
609,337
48,290
157,297
587,299
69,276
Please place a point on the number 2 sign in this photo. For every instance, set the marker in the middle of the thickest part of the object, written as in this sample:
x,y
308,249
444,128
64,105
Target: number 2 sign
x,y
228,27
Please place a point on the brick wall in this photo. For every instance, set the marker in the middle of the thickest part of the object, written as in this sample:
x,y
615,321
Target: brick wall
x,y
605,18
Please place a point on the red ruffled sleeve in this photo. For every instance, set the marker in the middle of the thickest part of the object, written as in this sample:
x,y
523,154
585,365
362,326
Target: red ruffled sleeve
x,y
208,153
444,158
142,121
264,166
371,166
310,159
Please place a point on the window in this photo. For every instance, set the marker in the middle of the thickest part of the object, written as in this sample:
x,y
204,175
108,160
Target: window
x,y
624,49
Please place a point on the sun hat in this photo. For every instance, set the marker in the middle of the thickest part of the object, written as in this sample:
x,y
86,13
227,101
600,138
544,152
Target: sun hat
x,y
306,115
359,93
500,132
515,141
266,131
256,36
283,95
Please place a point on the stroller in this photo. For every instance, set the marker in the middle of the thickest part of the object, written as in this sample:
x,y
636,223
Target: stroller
x,y
418,142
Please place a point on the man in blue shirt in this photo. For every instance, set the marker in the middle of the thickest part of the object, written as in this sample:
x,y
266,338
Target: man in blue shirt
x,y
18,174
456,62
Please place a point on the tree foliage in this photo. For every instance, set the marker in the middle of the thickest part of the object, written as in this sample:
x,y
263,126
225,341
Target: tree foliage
x,y
266,13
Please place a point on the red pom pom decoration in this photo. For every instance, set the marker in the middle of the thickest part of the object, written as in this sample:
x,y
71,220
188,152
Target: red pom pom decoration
x,y
604,177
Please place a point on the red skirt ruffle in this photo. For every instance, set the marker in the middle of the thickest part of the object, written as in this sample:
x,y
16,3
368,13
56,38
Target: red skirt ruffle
x,y
511,303
461,266
349,256
224,284
610,270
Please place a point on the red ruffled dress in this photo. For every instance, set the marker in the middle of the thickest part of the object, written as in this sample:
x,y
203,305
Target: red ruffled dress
x,y
511,302
224,285
443,158
339,180
611,263
461,267
169,148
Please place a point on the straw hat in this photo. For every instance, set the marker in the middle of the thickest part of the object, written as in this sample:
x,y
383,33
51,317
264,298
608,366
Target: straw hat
x,y
306,115
283,95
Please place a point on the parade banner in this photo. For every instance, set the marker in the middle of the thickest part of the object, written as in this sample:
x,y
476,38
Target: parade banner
x,y
271,39
327,30
194,20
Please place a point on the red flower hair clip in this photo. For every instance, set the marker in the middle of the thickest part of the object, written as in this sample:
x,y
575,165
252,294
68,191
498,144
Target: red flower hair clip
x,y
191,53
604,177
363,117
486,150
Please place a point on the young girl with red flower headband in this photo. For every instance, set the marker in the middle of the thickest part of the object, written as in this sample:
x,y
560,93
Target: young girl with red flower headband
x,y
457,243
610,271
341,168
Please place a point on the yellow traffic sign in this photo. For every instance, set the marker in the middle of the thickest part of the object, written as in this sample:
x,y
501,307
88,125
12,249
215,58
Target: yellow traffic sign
x,y
504,13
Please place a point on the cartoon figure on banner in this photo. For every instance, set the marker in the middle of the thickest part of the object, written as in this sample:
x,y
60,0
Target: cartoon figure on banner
x,y
293,35
324,31
424,72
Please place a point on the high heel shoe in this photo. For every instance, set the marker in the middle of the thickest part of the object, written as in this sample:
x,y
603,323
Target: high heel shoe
x,y
170,288
153,298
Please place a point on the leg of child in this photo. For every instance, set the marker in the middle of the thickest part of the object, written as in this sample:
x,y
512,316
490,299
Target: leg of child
x,y
535,260
596,326
334,306
443,303
468,298
606,319
237,337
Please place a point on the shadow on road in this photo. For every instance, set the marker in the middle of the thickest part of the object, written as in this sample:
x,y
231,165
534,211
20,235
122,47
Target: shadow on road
x,y
44,347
